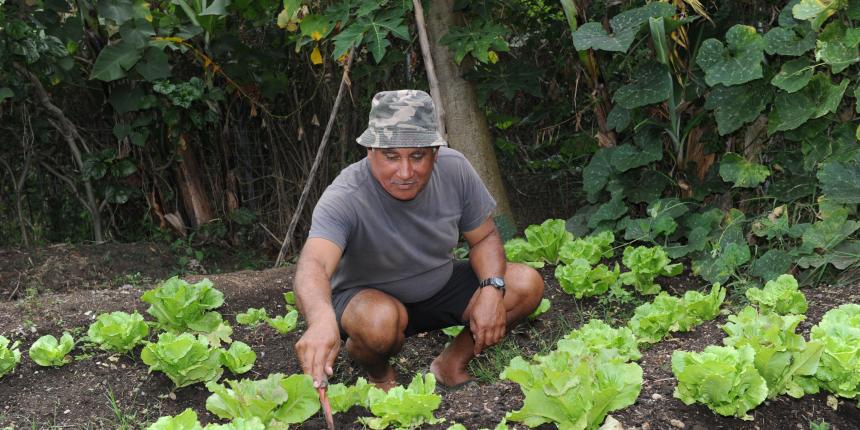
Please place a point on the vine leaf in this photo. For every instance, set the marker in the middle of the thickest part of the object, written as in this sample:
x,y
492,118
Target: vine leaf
x,y
771,264
625,25
741,172
816,11
818,98
651,84
114,60
837,46
609,211
794,75
786,41
596,174
737,105
840,181
737,62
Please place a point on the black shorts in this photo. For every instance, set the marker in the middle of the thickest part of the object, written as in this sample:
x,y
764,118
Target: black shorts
x,y
443,309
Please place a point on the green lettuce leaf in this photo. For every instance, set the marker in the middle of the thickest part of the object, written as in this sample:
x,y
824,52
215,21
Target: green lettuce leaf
x,y
599,338
185,359
780,295
252,317
646,264
581,280
10,356
276,400
47,351
179,306
239,358
839,369
118,331
401,407
187,420
285,323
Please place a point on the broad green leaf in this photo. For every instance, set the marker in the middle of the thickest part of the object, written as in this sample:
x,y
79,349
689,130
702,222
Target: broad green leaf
x,y
826,96
570,13
816,11
596,173
794,75
652,83
316,26
609,211
114,60
648,148
619,118
378,31
737,105
625,26
840,181
216,8
787,41
837,46
136,32
119,11
154,65
741,172
828,233
5,93
790,110
736,62
771,264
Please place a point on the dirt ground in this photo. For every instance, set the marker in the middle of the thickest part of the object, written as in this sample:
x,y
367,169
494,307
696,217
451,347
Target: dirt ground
x,y
79,394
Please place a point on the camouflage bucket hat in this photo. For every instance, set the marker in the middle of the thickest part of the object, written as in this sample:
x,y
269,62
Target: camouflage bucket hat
x,y
403,118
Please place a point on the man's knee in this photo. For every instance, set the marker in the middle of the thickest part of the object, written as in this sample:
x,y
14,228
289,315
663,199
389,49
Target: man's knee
x,y
525,285
375,321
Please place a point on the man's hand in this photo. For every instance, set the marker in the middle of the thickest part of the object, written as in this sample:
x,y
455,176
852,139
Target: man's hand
x,y
487,318
317,349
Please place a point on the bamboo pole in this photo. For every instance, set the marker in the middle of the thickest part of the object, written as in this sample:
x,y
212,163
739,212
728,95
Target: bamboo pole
x,y
430,69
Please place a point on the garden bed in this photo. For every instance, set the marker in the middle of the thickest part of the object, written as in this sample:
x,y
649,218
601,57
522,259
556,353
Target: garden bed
x,y
78,394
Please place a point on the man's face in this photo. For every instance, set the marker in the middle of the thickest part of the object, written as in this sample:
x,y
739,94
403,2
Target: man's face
x,y
402,172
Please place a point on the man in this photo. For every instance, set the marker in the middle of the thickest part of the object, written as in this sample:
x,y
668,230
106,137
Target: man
x,y
378,264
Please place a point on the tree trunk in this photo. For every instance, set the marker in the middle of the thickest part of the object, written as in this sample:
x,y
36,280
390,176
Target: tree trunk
x,y
465,122
191,187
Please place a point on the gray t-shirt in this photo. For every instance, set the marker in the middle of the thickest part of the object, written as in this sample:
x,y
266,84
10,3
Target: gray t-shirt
x,y
403,248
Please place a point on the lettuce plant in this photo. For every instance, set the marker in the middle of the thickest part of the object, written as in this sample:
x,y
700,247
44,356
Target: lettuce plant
x,y
453,330
542,244
601,338
118,331
185,359
239,358
572,388
409,407
290,298
342,397
779,295
252,317
48,351
519,250
581,280
839,368
10,356
654,320
179,306
238,424
700,307
722,378
782,357
591,248
541,309
276,401
646,264
187,420
284,323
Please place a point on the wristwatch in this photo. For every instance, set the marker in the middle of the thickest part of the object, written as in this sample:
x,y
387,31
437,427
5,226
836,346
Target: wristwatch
x,y
495,282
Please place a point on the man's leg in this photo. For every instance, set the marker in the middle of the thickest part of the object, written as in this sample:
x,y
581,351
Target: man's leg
x,y
375,323
524,290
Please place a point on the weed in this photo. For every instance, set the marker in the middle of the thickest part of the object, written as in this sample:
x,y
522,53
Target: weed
x,y
122,420
819,425
136,280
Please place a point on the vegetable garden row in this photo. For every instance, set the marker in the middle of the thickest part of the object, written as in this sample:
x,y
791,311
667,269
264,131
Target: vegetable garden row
x,y
591,372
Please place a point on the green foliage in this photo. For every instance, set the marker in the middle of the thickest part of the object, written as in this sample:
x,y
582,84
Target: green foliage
x,y
276,401
481,40
284,323
581,280
542,244
543,306
600,338
652,321
572,388
10,356
839,368
782,357
780,295
179,306
625,26
401,407
742,173
722,378
185,359
645,264
239,358
187,420
48,351
252,317
118,331
342,397
590,249
736,62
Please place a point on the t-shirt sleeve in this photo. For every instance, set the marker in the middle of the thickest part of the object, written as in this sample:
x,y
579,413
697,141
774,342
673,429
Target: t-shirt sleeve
x,y
332,219
478,204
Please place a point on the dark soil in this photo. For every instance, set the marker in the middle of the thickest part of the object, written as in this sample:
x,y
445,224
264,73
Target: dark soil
x,y
78,394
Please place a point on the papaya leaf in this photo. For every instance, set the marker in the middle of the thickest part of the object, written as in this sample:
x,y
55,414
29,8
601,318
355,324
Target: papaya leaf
x,y
840,181
737,105
787,41
651,84
794,75
625,26
114,60
741,172
736,62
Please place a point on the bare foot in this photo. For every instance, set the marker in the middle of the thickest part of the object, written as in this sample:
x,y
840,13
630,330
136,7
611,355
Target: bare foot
x,y
386,382
448,375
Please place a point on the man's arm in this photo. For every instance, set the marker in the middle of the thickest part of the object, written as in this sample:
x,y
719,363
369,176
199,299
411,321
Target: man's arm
x,y
487,309
319,345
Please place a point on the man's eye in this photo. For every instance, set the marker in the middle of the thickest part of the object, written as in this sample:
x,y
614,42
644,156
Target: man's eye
x,y
418,157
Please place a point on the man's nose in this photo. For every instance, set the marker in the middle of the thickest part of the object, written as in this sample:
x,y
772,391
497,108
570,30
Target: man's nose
x,y
404,169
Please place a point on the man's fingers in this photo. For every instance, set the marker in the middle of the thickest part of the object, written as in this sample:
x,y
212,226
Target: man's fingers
x,y
329,362
480,339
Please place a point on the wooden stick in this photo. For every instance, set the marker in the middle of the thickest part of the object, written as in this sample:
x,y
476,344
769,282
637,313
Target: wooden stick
x,y
344,82
430,68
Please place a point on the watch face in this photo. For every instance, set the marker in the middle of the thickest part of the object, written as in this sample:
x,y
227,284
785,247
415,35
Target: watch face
x,y
496,282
